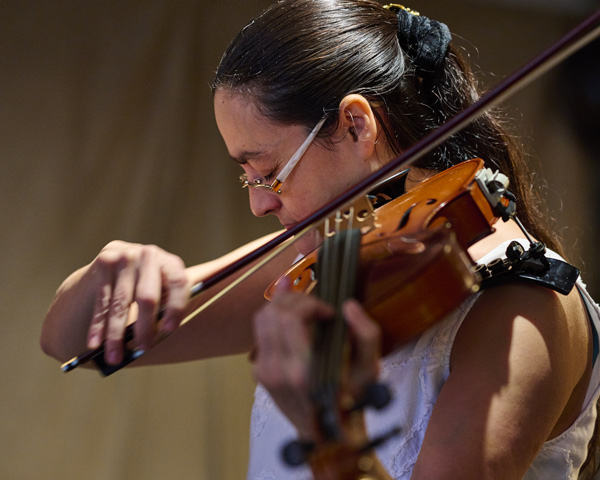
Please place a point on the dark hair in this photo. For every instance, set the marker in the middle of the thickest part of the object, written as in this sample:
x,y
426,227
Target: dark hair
x,y
300,58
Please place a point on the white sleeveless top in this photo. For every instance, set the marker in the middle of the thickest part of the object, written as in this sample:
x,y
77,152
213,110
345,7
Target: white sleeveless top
x,y
416,372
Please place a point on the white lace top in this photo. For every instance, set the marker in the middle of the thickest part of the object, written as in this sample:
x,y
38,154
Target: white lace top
x,y
416,373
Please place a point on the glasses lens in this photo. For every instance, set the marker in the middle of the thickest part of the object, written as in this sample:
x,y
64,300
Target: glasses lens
x,y
256,183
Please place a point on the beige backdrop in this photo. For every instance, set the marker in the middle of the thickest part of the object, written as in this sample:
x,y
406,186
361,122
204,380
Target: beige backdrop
x,y
107,131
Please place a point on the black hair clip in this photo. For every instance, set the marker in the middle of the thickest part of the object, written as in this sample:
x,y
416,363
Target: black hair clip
x,y
425,41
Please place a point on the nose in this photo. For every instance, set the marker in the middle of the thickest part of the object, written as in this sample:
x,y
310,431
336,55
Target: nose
x,y
263,202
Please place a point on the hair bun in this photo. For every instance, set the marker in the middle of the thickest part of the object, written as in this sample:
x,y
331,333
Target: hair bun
x,y
425,41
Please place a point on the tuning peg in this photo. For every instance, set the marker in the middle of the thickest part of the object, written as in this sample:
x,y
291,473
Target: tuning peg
x,y
376,395
296,452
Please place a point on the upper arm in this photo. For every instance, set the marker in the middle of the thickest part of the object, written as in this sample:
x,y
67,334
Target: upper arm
x,y
515,364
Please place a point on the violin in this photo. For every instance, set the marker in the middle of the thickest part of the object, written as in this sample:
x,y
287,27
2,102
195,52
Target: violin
x,y
416,249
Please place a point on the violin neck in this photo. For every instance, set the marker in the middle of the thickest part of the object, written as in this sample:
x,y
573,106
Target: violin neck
x,y
336,282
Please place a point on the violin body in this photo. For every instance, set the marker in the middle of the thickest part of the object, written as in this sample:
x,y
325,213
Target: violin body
x,y
414,267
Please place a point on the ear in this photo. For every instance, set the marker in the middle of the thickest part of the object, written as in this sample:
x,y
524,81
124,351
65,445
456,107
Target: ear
x,y
356,117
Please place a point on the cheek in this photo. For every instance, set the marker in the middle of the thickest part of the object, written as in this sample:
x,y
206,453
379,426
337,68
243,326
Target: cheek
x,y
315,187
307,202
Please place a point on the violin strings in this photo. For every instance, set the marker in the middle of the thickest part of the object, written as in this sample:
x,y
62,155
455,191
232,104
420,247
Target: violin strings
x,y
336,280
343,292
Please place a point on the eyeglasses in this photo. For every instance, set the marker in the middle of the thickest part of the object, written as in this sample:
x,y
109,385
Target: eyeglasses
x,y
276,185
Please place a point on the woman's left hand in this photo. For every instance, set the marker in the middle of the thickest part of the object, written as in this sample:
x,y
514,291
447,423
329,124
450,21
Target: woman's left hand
x,y
283,335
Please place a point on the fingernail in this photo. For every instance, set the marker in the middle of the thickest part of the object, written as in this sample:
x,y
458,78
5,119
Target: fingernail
x,y
112,357
93,342
169,326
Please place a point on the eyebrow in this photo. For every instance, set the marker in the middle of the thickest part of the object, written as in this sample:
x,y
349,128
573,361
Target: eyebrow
x,y
248,156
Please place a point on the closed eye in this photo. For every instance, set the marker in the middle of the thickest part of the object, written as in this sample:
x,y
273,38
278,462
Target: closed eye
x,y
269,176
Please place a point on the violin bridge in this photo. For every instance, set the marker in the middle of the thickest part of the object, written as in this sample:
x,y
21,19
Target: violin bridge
x,y
361,214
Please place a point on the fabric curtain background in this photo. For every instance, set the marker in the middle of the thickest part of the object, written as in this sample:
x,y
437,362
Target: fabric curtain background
x,y
107,131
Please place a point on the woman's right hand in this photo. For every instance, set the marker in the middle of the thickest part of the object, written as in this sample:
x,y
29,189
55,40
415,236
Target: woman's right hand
x,y
126,282
132,280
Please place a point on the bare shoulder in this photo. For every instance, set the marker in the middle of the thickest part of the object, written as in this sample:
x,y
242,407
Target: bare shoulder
x,y
518,313
519,371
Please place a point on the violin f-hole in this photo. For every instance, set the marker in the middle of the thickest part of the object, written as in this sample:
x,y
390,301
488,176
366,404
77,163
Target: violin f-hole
x,y
405,217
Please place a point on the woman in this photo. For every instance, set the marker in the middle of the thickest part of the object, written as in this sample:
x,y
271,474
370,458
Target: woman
x,y
310,98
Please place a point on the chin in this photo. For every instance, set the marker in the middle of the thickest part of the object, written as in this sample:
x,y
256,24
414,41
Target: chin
x,y
308,242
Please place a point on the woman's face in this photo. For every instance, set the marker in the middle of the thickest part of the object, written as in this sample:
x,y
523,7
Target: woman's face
x,y
263,148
